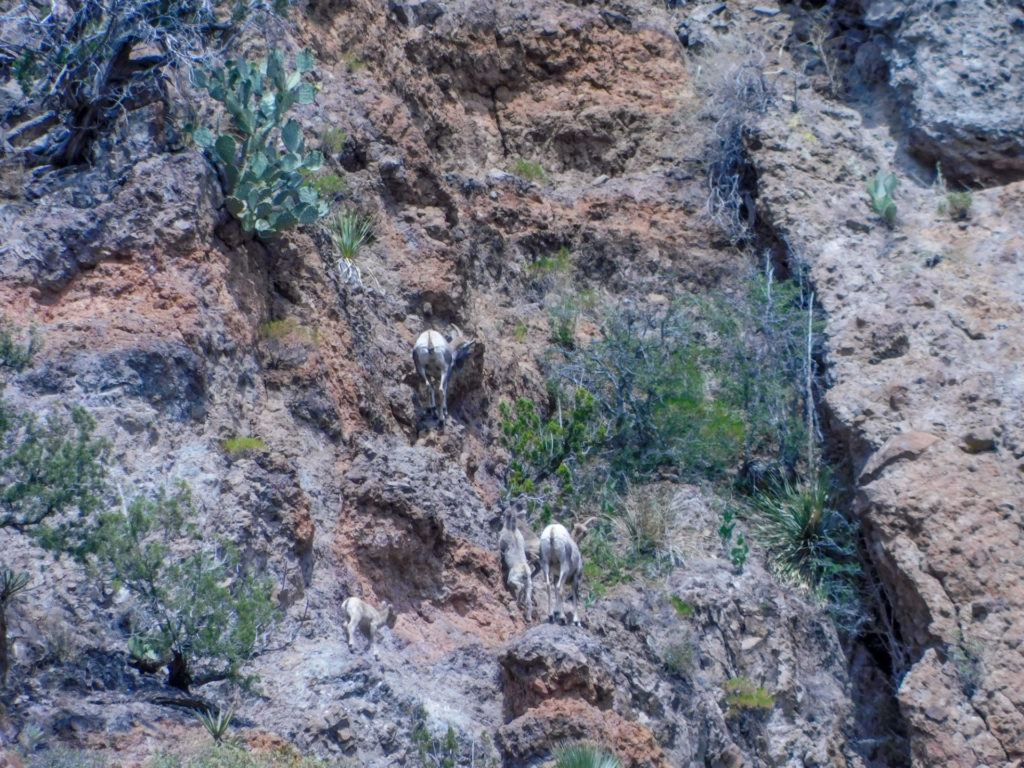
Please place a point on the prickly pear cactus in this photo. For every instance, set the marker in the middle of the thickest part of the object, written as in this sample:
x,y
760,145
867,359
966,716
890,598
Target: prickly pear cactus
x,y
263,157
880,191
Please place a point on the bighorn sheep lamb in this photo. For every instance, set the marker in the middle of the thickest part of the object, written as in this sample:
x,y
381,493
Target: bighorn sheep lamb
x,y
557,549
513,553
360,614
435,357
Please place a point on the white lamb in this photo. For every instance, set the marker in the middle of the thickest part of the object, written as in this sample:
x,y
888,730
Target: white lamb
x,y
512,548
435,357
558,550
363,616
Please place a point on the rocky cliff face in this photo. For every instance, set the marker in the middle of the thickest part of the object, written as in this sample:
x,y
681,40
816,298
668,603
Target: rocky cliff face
x,y
177,333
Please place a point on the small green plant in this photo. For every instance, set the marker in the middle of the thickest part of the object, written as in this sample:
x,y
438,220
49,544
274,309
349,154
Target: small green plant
x,y
558,262
959,204
742,694
30,737
434,752
880,191
216,722
683,608
263,159
584,754
737,552
289,328
679,657
350,232
333,140
966,658
235,446
352,62
529,171
327,185
519,332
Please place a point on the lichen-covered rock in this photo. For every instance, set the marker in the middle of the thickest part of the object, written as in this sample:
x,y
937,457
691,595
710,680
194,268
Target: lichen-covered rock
x,y
957,70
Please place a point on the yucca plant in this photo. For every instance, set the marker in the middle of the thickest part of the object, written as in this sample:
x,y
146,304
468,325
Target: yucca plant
x,y
584,754
216,722
350,232
807,539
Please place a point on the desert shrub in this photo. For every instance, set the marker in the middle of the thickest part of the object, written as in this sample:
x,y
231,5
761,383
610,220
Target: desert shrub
x,y
65,757
546,452
51,474
959,204
683,608
528,170
202,613
80,61
680,657
333,140
327,185
223,755
263,159
584,754
736,93
880,191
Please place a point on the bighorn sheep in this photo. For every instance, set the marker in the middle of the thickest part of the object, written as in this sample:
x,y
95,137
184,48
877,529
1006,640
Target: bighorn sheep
x,y
513,553
435,357
360,614
557,549
579,530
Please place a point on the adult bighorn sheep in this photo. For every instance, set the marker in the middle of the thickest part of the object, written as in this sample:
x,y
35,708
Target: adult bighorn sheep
x,y
558,550
512,549
579,530
361,615
435,357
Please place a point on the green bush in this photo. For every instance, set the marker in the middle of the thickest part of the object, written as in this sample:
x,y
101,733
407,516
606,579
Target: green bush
x,y
51,474
880,191
263,159
202,613
530,171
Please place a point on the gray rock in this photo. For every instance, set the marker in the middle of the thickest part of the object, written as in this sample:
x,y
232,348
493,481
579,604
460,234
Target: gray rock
x,y
958,71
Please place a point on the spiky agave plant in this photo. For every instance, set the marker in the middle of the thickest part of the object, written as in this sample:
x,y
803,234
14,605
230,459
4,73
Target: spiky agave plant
x,y
807,539
216,722
350,231
584,754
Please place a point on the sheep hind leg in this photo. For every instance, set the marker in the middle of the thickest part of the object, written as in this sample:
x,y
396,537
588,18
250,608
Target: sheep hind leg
x,y
563,573
576,599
